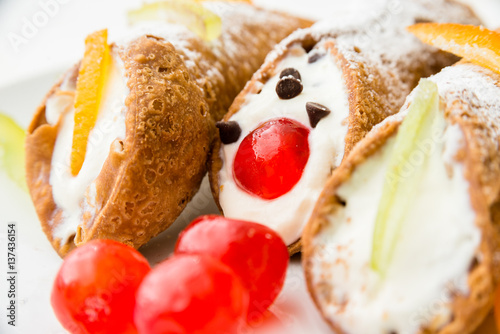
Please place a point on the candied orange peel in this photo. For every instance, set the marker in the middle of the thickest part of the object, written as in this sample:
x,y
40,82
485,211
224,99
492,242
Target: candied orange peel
x,y
473,43
91,80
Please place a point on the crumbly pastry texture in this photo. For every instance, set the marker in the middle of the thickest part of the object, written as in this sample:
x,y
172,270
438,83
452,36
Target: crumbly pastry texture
x,y
179,86
380,61
471,97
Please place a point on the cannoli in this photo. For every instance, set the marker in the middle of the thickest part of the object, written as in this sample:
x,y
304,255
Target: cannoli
x,y
145,154
405,238
318,93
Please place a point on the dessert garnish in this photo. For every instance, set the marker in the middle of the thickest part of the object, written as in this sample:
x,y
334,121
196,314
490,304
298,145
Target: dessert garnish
x,y
476,44
288,87
290,72
94,290
255,252
12,150
191,294
229,131
315,57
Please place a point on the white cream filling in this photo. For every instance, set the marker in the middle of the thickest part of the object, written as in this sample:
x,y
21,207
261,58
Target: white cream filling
x,y
435,248
323,84
75,195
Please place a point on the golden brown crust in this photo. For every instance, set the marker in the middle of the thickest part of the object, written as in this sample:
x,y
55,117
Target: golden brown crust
x,y
376,86
149,177
479,155
39,145
482,170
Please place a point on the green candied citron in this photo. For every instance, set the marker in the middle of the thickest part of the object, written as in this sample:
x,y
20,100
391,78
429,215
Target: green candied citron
x,y
400,186
203,22
12,150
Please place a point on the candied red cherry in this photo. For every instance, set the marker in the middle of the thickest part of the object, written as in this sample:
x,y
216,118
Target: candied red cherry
x,y
94,290
190,294
271,159
256,254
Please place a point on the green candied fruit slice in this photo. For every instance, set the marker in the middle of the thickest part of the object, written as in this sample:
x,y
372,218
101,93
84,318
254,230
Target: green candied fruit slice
x,y
12,150
203,22
400,186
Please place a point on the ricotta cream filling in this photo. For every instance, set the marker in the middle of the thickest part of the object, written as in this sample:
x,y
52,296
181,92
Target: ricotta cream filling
x,y
433,253
75,195
322,83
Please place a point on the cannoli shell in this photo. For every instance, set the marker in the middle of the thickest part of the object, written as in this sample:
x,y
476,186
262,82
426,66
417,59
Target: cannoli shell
x,y
479,121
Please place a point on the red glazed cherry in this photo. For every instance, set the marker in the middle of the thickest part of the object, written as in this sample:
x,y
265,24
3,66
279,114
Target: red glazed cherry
x,y
190,294
271,159
94,290
255,253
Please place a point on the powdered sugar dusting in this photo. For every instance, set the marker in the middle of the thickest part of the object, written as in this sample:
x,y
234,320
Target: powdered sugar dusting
x,y
471,97
470,48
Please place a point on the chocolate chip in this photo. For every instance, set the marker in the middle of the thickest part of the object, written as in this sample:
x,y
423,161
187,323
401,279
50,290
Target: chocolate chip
x,y
290,71
315,57
316,112
229,132
288,88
